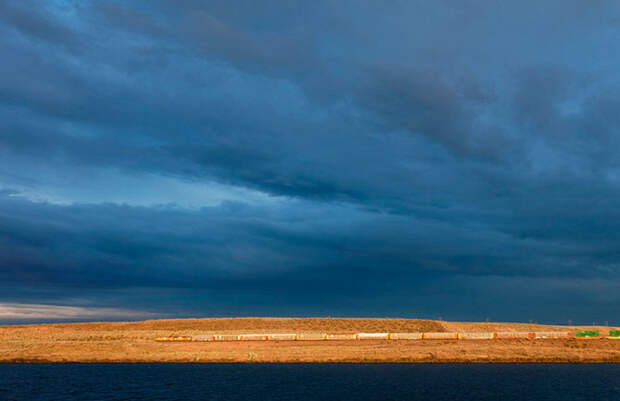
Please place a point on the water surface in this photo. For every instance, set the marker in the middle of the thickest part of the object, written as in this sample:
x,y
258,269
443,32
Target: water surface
x,y
437,382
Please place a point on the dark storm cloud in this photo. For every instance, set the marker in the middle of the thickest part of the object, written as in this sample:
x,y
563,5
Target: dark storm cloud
x,y
34,20
118,245
424,103
393,147
231,256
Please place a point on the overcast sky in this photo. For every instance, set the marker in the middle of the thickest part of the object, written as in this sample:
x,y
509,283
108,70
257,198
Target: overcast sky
x,y
166,158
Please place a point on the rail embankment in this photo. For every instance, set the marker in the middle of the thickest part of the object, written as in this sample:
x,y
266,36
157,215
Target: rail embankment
x,y
533,335
133,342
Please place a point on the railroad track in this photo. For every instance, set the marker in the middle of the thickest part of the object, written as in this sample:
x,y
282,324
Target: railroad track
x,y
390,336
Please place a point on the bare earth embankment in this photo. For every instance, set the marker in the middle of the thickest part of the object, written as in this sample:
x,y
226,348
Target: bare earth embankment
x,y
134,342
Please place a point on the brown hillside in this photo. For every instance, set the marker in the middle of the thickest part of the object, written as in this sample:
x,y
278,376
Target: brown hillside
x,y
134,342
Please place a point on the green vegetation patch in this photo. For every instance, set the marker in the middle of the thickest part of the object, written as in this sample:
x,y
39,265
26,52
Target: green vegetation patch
x,y
588,333
614,333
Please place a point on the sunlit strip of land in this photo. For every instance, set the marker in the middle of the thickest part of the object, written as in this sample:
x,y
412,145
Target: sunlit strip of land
x,y
134,342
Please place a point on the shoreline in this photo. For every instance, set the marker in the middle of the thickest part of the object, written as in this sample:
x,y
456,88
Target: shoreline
x,y
361,362
134,342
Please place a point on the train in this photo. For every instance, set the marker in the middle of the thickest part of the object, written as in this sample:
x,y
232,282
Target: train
x,y
579,335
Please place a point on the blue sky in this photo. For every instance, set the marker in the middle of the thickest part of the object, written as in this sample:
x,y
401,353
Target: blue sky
x,y
454,159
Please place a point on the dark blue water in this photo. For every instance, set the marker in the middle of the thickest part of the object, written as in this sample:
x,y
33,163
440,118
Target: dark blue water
x,y
309,382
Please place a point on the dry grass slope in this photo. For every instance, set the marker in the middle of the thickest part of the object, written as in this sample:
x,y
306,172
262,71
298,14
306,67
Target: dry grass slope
x,y
133,342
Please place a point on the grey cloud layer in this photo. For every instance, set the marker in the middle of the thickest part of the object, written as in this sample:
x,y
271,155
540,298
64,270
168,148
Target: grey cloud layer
x,y
475,139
